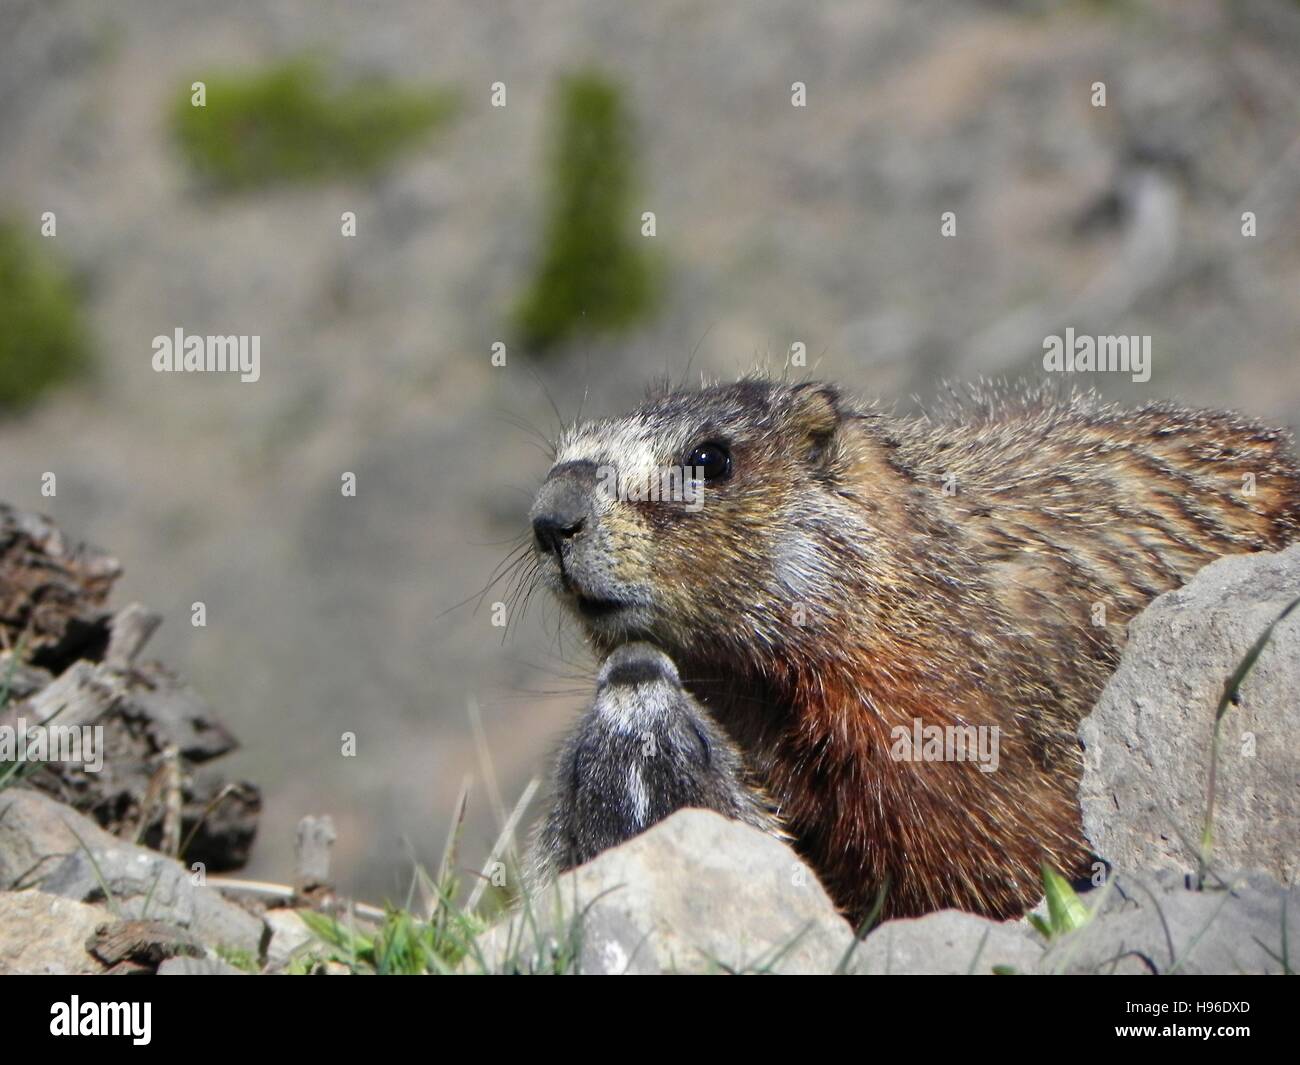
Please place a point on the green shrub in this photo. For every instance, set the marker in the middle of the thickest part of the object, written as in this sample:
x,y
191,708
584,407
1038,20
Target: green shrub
x,y
291,123
591,274
42,337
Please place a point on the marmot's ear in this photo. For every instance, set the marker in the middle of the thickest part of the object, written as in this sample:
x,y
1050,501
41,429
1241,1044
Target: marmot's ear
x,y
815,417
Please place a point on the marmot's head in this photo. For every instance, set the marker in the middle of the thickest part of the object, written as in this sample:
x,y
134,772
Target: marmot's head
x,y
705,522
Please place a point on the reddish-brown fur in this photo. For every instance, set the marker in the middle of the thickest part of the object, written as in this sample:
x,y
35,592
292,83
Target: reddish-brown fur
x,y
861,572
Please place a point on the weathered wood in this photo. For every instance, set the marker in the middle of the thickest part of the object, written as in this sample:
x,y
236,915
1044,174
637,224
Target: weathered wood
x,y
171,712
142,943
19,680
172,801
315,841
83,694
52,592
78,664
130,630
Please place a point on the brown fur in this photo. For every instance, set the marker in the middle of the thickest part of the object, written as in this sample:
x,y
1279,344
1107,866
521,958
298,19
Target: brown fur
x,y
830,590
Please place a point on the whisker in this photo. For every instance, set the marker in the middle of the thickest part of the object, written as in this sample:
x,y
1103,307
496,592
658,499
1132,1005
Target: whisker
x,y
517,421
512,560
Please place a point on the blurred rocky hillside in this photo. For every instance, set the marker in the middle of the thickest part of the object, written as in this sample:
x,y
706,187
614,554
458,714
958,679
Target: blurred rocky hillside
x,y
776,224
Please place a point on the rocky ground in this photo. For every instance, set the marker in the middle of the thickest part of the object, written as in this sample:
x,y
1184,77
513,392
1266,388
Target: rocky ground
x,y
699,893
80,891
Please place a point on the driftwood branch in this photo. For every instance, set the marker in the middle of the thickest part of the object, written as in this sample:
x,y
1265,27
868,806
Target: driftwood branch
x,y
71,662
315,841
130,630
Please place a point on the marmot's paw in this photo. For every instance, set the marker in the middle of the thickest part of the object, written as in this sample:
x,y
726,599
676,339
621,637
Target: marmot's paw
x,y
644,749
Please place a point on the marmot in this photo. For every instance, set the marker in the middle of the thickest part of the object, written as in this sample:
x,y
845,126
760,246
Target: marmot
x,y
643,750
851,579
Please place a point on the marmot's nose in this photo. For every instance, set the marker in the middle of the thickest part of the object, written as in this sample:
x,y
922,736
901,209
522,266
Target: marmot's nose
x,y
551,530
563,505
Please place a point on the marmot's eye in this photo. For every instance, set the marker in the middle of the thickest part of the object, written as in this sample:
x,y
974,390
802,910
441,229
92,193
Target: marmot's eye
x,y
713,460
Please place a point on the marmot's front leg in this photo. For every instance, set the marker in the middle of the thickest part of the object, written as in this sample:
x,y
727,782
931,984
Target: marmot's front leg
x,y
645,749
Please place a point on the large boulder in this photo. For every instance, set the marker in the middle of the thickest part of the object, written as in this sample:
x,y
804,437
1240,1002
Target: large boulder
x,y
695,893
1147,743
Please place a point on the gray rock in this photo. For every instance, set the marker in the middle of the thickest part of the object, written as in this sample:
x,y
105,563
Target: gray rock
x,y
695,893
948,942
699,893
198,967
45,934
1142,925
1147,743
288,932
45,843
1155,924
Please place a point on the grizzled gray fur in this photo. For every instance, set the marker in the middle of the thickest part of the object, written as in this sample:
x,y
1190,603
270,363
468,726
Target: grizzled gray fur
x,y
643,750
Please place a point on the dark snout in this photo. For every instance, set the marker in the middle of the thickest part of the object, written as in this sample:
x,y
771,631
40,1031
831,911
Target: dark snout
x,y
637,663
563,505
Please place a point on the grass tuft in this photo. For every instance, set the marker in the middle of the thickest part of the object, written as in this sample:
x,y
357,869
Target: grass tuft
x,y
13,772
591,275
1065,910
43,340
291,123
